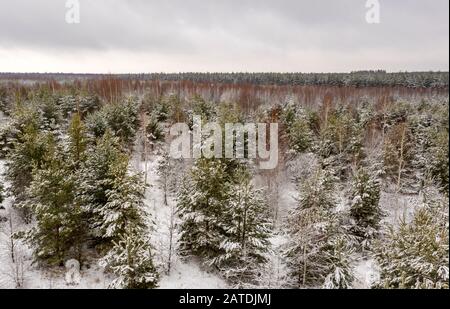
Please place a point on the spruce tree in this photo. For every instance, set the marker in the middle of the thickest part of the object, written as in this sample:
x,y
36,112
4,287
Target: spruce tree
x,y
202,201
416,254
96,179
52,201
111,196
339,259
124,205
130,259
365,209
247,230
77,143
311,225
439,160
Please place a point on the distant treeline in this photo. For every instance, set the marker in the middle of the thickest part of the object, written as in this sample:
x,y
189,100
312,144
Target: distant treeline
x,y
356,79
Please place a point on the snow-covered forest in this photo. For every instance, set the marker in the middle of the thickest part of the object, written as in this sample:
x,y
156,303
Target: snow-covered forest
x,y
359,198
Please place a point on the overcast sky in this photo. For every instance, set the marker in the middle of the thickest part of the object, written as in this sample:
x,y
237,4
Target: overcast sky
x,y
119,36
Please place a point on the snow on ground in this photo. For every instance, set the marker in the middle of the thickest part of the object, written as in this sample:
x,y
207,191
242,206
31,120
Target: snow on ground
x,y
190,276
366,273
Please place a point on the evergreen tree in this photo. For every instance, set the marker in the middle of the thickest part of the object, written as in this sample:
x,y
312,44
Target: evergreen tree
x,y
121,118
52,201
439,160
311,226
167,175
124,205
111,196
97,179
339,258
27,155
318,252
77,142
247,229
130,259
416,254
398,154
202,201
300,135
365,209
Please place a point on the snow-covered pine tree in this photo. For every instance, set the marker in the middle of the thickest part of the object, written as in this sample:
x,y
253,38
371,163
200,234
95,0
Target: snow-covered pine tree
x,y
95,179
130,259
51,197
365,209
398,154
202,202
440,160
416,255
339,259
311,224
247,229
124,205
111,196
27,154
168,181
166,174
77,143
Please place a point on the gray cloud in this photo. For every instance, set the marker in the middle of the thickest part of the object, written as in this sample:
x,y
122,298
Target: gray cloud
x,y
253,35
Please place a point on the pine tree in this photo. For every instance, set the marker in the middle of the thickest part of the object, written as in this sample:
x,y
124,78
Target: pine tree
x,y
27,155
398,153
300,136
439,160
416,254
339,259
96,179
77,142
52,201
247,229
365,208
311,225
202,201
130,259
124,205
111,196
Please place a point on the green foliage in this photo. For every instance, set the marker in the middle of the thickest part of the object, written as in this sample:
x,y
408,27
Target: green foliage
x,y
58,218
130,260
224,219
121,118
124,205
416,255
28,153
247,229
154,130
300,136
365,198
339,259
439,160
399,154
97,177
77,143
312,230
